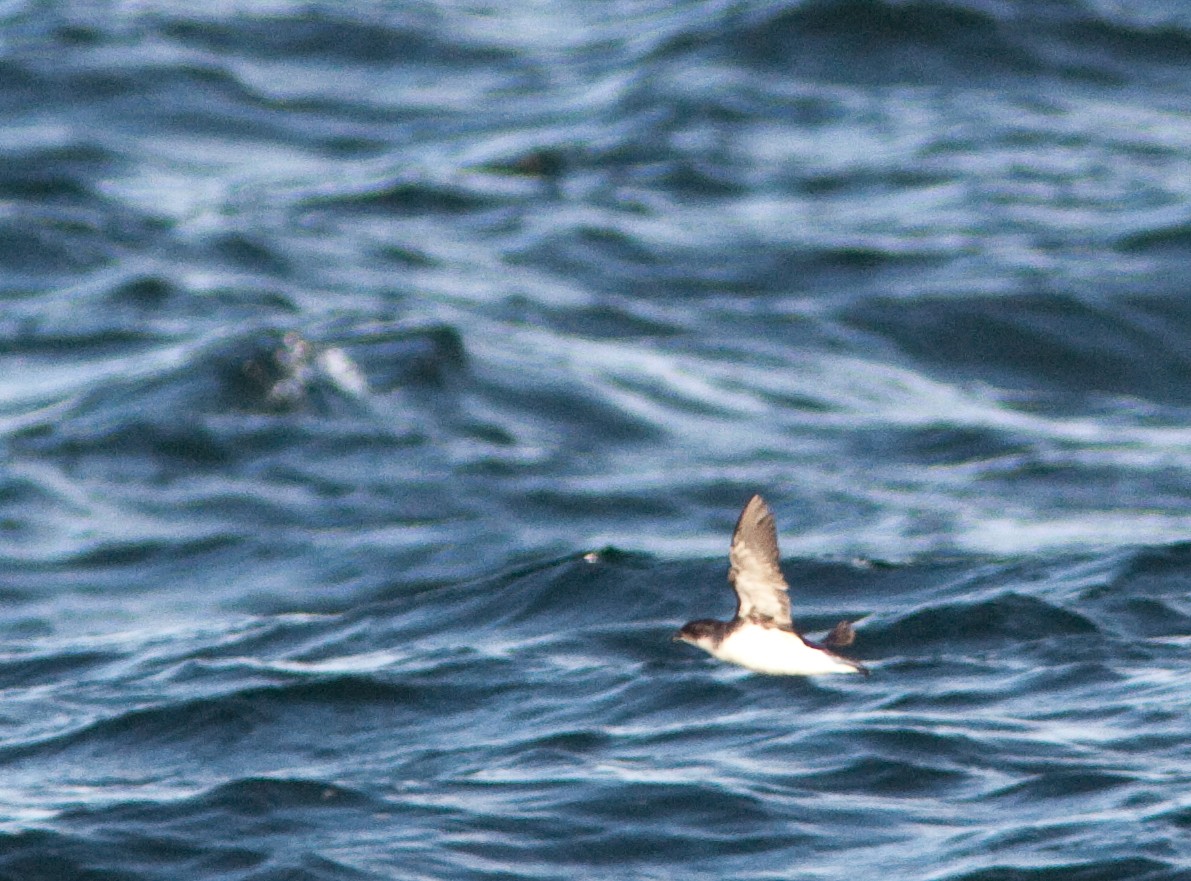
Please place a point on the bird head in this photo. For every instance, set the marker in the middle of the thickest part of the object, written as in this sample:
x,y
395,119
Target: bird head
x,y
702,633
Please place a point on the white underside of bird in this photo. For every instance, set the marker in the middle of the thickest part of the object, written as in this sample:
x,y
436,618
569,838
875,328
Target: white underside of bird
x,y
776,652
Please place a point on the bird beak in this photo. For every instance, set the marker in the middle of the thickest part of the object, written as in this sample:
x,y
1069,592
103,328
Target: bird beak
x,y
677,637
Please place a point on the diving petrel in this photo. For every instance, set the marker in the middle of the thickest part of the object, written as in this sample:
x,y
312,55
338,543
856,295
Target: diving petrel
x,y
762,637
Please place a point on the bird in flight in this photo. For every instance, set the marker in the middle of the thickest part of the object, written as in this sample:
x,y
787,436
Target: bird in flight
x,y
762,637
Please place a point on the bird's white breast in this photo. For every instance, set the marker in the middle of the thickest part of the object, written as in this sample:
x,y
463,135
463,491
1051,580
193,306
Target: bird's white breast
x,y
777,652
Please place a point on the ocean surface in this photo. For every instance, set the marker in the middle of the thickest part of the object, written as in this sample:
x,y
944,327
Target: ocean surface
x,y
380,383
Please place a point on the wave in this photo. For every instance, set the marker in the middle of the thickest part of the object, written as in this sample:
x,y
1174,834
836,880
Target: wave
x,y
876,41
1108,869
1079,346
1010,616
230,830
540,709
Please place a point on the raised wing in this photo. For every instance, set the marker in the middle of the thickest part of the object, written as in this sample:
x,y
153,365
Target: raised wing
x,y
841,635
755,573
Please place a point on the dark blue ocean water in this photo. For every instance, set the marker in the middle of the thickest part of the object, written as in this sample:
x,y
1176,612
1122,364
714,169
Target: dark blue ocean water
x,y
380,383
